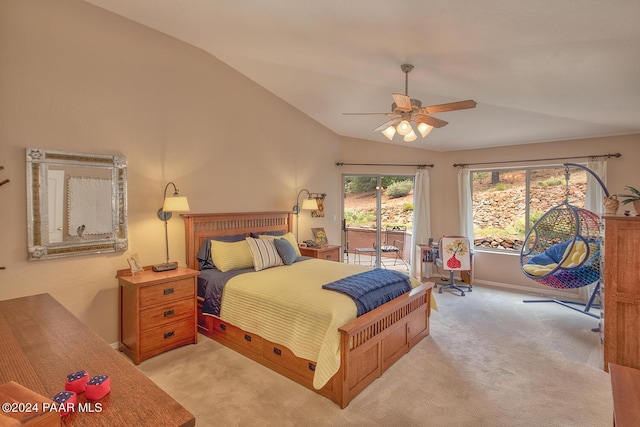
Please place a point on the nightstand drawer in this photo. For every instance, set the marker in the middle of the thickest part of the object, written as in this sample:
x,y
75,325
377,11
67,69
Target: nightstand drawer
x,y
156,316
167,292
168,336
327,252
331,255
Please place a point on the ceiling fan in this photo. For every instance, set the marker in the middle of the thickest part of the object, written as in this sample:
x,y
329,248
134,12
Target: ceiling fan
x,y
408,110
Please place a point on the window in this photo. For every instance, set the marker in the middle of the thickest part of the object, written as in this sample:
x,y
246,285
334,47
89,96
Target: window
x,y
507,202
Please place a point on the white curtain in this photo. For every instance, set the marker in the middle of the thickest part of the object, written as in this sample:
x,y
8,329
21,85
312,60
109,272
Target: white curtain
x,y
595,193
465,203
421,218
593,202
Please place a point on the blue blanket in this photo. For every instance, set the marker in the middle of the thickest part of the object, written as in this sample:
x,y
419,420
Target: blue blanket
x,y
372,288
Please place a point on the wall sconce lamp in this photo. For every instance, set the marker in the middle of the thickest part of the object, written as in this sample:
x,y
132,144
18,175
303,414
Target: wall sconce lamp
x,y
308,204
175,203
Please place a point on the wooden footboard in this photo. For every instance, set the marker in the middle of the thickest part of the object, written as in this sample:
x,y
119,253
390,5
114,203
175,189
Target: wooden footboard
x,y
370,344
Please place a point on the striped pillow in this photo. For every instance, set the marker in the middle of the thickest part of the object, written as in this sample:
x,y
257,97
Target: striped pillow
x,y
227,256
290,238
264,253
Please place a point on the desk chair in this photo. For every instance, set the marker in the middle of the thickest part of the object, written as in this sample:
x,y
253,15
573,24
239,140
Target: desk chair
x,y
454,254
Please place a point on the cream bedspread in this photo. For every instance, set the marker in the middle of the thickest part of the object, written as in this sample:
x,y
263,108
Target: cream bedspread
x,y
287,305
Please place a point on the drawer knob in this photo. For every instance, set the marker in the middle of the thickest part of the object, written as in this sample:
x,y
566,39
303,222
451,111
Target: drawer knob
x,y
312,366
223,327
169,334
169,313
328,256
247,338
168,291
277,351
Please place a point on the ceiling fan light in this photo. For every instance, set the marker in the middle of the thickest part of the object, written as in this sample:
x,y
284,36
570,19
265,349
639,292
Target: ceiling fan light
x,y
424,129
389,132
404,127
410,137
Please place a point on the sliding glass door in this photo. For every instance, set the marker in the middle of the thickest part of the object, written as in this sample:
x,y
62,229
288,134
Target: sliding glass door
x,y
377,220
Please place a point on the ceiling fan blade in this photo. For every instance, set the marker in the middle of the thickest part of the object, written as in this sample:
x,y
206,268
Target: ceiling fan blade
x,y
367,114
431,121
388,123
451,106
403,102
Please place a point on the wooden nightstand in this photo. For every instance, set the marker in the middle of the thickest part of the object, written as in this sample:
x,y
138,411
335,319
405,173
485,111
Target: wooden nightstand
x,y
328,252
157,311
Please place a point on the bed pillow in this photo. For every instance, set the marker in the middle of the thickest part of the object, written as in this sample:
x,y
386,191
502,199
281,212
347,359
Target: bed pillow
x,y
204,254
286,251
264,253
290,238
267,233
227,256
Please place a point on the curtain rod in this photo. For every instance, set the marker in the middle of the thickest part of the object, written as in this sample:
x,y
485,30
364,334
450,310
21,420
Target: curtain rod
x,y
382,164
455,165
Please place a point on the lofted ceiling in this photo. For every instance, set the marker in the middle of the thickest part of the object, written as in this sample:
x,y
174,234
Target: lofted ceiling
x,y
543,70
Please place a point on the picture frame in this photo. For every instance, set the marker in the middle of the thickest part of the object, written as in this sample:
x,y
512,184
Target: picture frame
x,y
319,213
319,236
134,264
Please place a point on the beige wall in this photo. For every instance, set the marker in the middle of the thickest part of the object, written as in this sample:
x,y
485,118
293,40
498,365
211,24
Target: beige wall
x,y
75,77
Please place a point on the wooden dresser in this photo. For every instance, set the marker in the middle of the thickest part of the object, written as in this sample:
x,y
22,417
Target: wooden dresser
x,y
41,342
621,287
157,311
625,390
328,252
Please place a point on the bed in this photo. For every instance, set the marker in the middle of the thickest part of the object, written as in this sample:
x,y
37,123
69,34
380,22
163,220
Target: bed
x,y
366,345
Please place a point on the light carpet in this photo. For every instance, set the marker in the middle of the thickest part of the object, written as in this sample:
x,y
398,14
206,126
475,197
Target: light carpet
x,y
491,360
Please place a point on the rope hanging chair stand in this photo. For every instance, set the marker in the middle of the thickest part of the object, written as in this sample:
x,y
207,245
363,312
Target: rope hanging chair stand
x,y
562,250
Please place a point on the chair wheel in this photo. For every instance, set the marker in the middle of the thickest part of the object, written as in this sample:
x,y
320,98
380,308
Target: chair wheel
x,y
461,294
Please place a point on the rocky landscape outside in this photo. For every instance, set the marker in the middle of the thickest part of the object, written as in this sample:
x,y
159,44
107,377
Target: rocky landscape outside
x,y
499,208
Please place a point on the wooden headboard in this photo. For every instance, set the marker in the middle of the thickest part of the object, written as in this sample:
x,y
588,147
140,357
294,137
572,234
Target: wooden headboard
x,y
199,227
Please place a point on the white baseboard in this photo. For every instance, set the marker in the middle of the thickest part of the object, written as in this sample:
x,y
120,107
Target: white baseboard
x,y
551,293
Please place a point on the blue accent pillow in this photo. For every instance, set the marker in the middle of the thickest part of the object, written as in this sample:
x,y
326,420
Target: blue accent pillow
x,y
286,251
267,233
204,254
552,255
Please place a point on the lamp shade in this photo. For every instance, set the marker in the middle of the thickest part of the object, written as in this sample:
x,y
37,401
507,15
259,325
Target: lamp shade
x,y
424,129
410,137
389,132
309,204
176,204
404,127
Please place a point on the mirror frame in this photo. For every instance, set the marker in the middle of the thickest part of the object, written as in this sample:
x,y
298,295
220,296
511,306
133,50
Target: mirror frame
x,y
38,163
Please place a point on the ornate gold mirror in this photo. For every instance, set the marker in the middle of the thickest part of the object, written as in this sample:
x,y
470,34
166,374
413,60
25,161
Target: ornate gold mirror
x,y
76,203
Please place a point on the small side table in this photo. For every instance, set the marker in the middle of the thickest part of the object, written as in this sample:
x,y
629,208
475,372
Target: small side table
x,y
328,252
158,311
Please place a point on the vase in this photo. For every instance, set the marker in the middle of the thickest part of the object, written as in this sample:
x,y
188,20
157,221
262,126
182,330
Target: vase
x,y
636,206
611,204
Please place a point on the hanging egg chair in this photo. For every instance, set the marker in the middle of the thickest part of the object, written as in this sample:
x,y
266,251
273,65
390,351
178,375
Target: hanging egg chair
x,y
562,249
